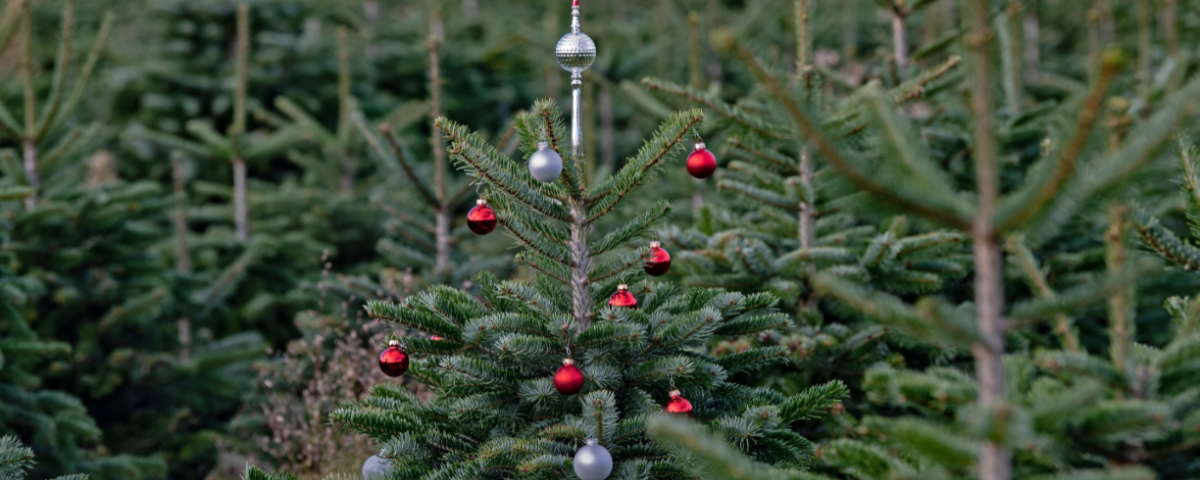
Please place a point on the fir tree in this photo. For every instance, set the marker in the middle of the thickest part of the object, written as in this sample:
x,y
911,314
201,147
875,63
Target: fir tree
x,y
784,221
891,164
496,408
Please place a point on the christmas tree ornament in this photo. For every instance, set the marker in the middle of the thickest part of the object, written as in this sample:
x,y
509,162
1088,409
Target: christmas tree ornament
x,y
568,380
623,298
701,163
481,219
435,337
678,405
576,51
593,462
393,361
545,164
659,261
376,467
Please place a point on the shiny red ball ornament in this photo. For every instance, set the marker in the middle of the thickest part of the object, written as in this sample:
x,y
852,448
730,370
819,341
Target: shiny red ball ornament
x,y
481,219
622,298
701,163
568,380
659,261
393,361
679,405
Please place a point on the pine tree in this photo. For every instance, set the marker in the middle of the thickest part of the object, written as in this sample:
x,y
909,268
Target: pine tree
x,y
57,422
784,221
901,170
429,248
495,406
84,251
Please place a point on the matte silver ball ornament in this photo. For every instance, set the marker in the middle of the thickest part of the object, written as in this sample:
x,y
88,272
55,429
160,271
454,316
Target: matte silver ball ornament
x,y
593,462
545,164
376,467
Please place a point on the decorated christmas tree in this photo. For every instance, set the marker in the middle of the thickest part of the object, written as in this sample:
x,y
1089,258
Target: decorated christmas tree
x,y
536,378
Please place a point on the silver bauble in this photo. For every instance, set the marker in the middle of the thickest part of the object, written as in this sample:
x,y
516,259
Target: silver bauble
x,y
593,462
375,467
575,51
545,164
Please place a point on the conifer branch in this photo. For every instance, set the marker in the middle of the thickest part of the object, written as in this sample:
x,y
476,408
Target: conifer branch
x,y
61,66
1024,259
829,152
639,168
399,152
715,104
1065,167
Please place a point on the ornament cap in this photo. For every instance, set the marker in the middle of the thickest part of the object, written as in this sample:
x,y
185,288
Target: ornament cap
x,y
675,393
481,202
656,244
700,146
543,146
592,441
622,288
393,343
567,361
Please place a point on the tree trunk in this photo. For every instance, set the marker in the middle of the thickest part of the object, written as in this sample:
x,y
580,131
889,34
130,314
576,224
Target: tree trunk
x,y
31,173
608,157
581,299
442,240
183,262
899,40
240,210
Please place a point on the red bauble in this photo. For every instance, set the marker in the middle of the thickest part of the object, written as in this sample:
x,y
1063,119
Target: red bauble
x,y
393,361
481,219
659,261
622,298
701,163
435,337
679,405
568,380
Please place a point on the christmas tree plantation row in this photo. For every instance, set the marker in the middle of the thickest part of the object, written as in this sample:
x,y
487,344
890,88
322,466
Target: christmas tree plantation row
x,y
853,166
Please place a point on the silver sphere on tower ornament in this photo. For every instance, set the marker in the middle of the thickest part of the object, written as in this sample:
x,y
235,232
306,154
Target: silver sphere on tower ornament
x,y
545,164
575,52
593,462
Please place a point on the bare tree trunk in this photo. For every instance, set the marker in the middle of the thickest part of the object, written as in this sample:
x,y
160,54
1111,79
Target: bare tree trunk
x,y
29,145
29,150
581,299
349,166
899,38
183,262
470,8
995,461
1119,305
608,158
806,233
442,239
1032,53
695,75
241,212
849,29
435,105
371,13
589,131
